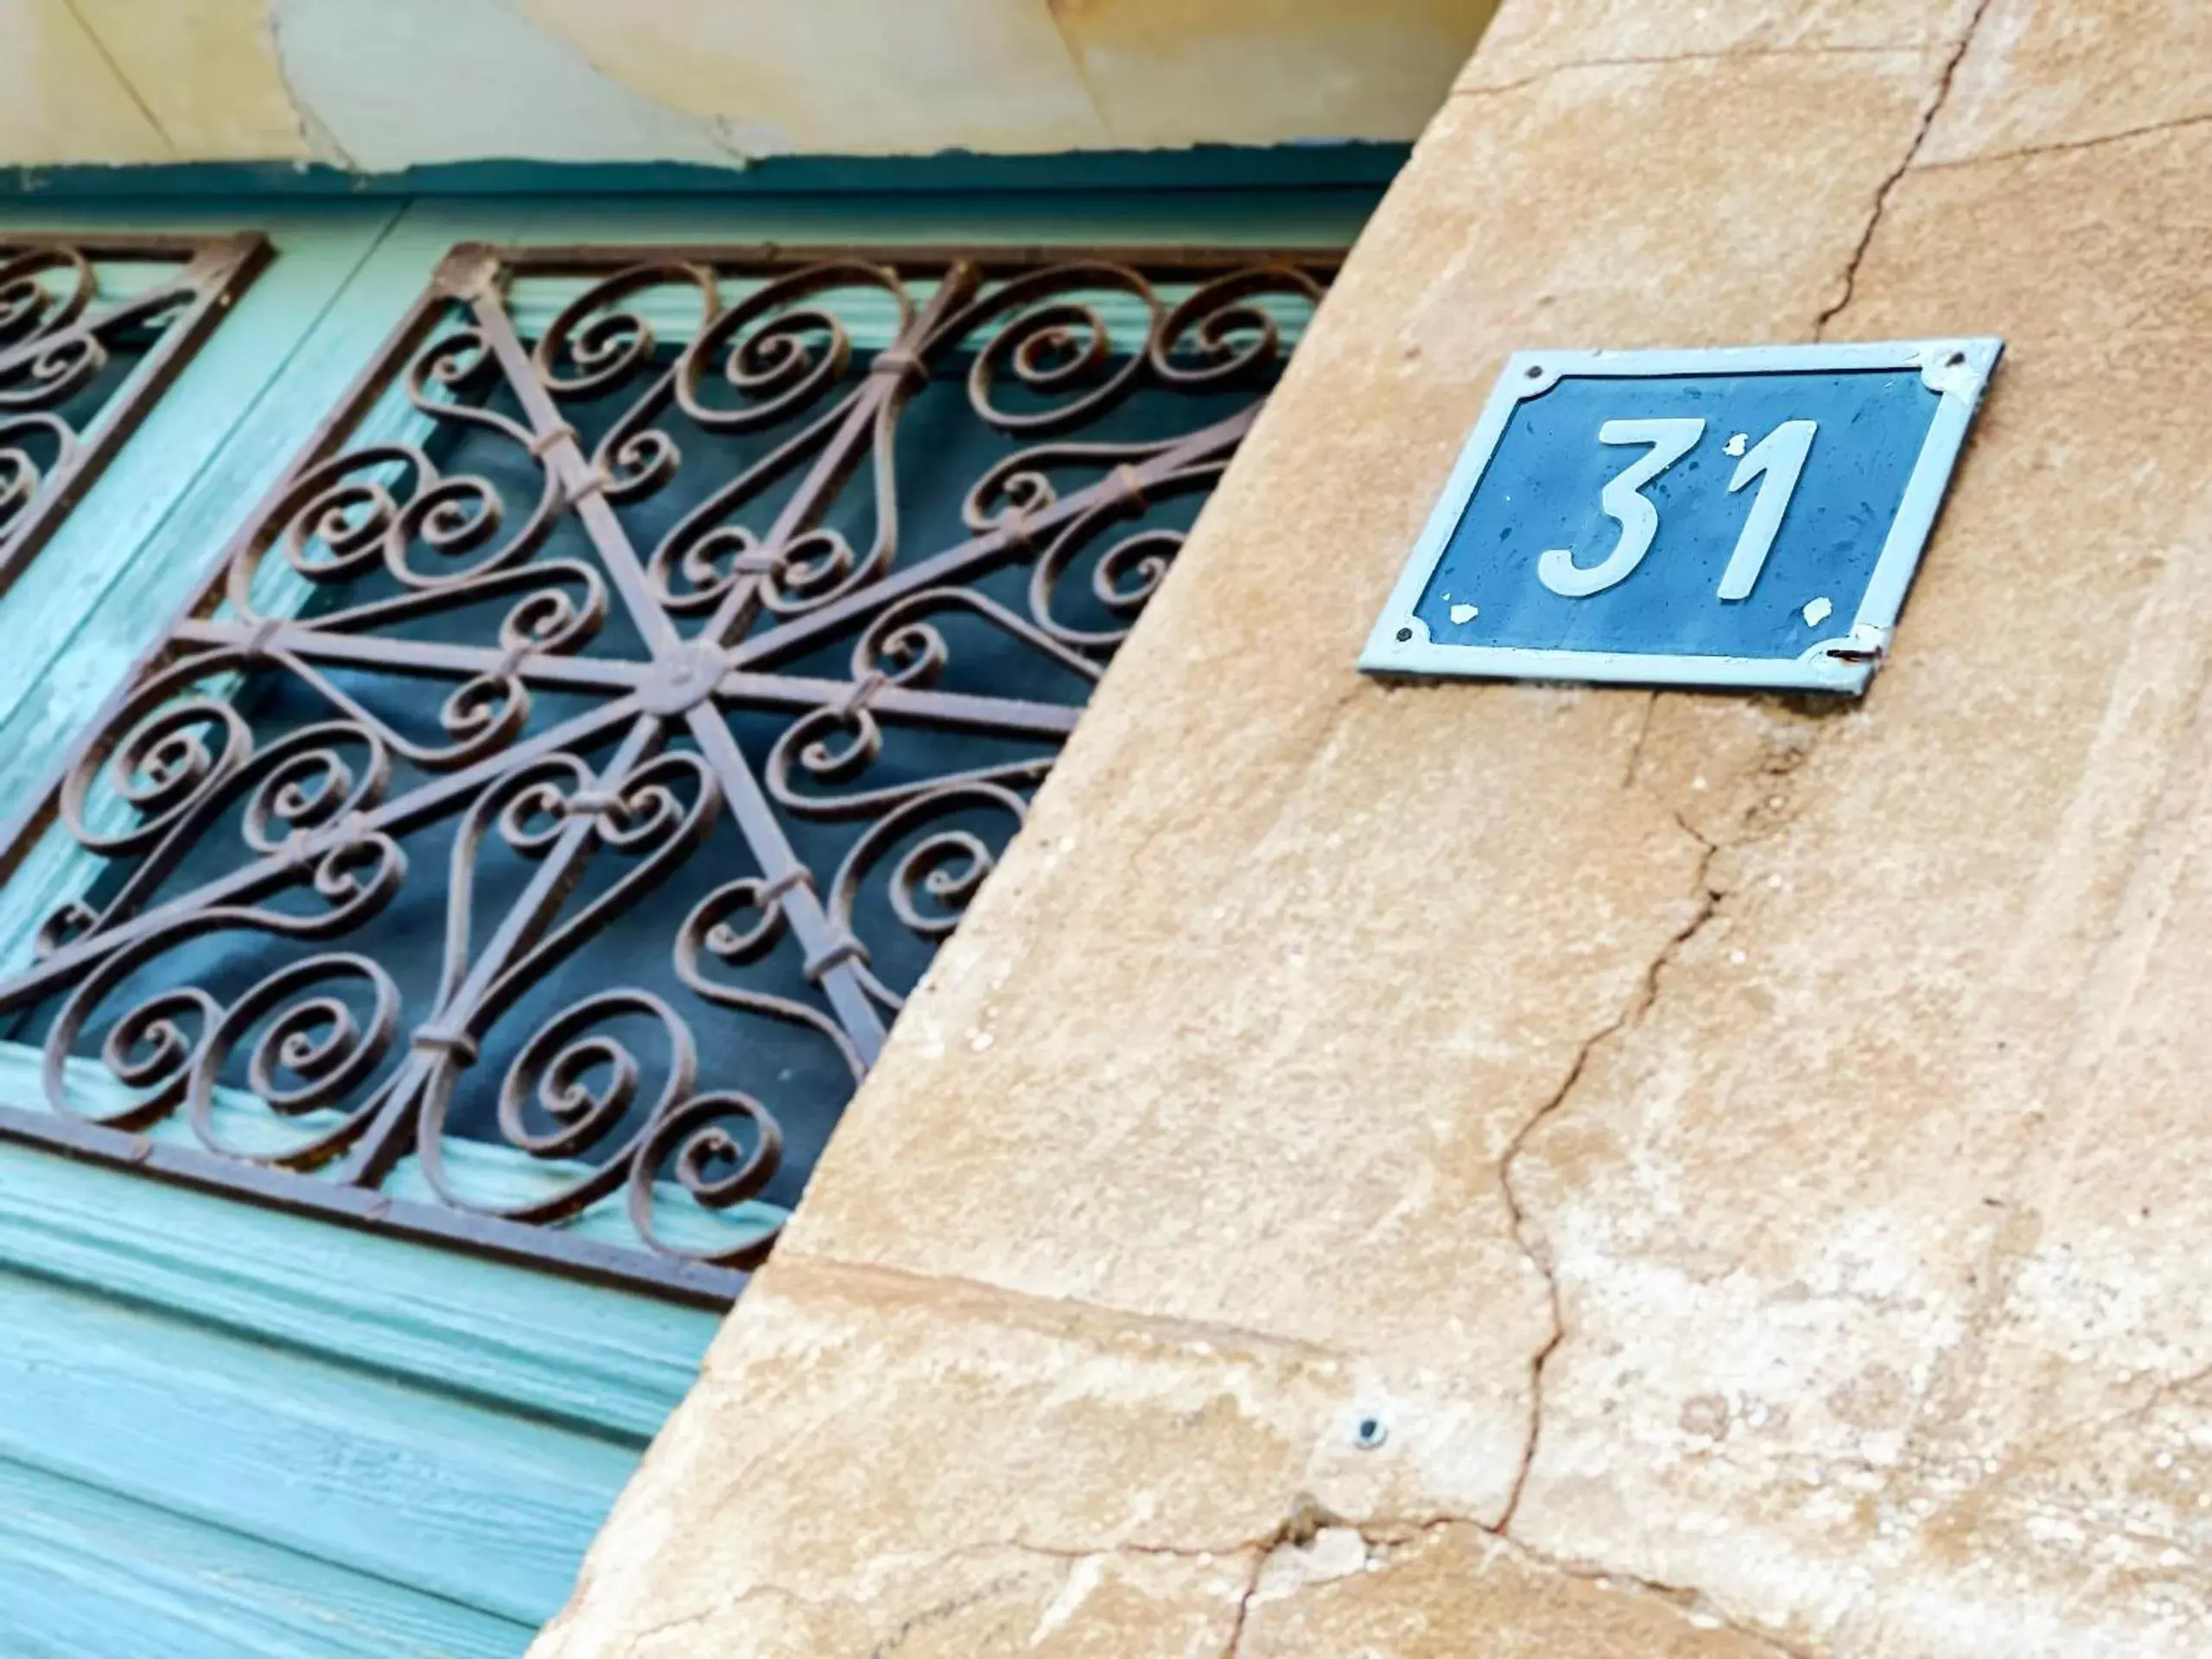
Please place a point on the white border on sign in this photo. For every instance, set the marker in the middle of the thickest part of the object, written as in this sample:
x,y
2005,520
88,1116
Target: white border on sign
x,y
1957,370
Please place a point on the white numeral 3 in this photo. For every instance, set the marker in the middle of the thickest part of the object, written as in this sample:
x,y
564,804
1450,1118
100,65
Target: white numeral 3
x,y
1625,504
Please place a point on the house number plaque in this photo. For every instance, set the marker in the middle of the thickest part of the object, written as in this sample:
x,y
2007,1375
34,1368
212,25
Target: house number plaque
x,y
1728,517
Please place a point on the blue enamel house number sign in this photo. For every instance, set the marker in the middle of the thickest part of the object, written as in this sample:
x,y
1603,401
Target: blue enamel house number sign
x,y
1726,517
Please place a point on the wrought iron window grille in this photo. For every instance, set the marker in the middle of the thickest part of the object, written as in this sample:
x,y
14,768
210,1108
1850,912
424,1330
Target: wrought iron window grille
x,y
92,331
595,732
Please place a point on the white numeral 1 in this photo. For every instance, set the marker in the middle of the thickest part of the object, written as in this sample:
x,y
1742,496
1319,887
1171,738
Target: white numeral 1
x,y
1776,462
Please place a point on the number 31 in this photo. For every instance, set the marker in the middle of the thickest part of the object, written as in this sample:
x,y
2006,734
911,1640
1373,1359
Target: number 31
x,y
1776,460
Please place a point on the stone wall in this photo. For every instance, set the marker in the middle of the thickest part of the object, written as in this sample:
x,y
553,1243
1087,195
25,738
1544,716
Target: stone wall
x,y
1540,1170
380,85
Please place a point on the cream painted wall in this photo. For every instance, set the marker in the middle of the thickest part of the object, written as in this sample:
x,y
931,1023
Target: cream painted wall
x,y
380,85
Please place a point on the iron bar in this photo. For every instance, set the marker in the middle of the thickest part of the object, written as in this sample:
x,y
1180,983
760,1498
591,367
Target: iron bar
x,y
404,538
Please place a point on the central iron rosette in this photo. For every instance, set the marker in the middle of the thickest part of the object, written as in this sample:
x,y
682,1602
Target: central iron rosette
x,y
564,777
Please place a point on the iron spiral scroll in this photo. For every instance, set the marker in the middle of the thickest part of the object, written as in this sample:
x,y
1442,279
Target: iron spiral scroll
x,y
80,368
635,704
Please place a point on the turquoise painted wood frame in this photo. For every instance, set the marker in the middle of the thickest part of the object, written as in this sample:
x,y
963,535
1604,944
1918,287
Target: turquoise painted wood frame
x,y
228,1430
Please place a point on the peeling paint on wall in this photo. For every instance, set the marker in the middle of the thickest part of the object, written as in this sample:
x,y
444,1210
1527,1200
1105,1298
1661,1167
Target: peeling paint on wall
x,y
857,77
1259,72
380,86
405,82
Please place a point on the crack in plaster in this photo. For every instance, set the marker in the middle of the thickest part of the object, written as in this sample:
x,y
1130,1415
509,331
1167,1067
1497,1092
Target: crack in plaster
x,y
720,130
129,87
723,133
1308,1518
1057,11
515,75
1244,1607
1939,98
1781,758
2163,1392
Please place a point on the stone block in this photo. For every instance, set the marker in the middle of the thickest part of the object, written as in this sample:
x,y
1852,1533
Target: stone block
x,y
1447,1592
2044,73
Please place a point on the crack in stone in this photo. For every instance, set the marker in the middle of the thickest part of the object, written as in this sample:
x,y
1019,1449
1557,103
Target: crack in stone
x,y
1889,185
1166,1329
1647,993
1636,744
1647,59
939,1612
1381,1534
2060,147
1692,1604
1299,1528
1171,1552
637,1639
1244,1608
1304,1522
886,1646
1307,1516
1709,897
1639,1004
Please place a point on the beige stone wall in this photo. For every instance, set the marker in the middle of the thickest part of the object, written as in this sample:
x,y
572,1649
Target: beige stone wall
x,y
1748,1153
380,85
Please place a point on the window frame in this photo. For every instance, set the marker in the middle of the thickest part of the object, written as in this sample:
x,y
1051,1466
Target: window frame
x,y
415,261
592,1367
